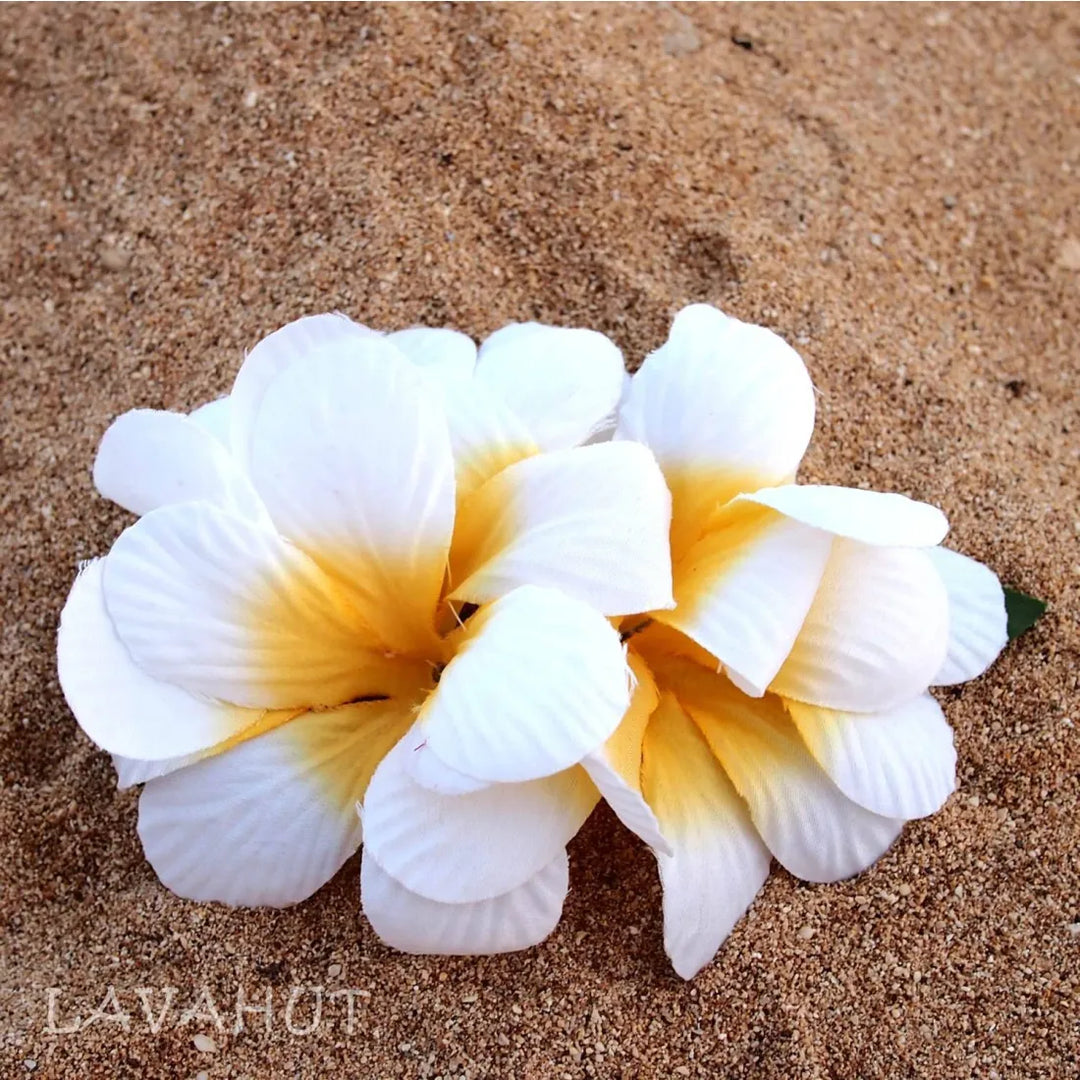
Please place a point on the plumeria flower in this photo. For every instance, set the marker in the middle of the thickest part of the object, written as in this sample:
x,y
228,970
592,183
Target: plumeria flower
x,y
782,707
382,572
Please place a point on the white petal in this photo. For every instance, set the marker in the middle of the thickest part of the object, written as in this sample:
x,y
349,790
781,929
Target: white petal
x,y
900,763
718,862
352,457
444,355
726,407
227,609
743,590
464,848
215,417
430,771
486,435
539,680
615,767
299,341
875,633
150,458
592,521
130,772
809,825
565,384
122,708
271,820
871,517
412,923
977,619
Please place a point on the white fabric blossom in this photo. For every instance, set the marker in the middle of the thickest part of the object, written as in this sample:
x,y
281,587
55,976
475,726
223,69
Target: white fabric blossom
x,y
379,575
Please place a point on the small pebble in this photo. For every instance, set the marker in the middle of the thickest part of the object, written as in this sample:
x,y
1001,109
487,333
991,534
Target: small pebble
x,y
115,259
204,1044
949,202
334,970
806,932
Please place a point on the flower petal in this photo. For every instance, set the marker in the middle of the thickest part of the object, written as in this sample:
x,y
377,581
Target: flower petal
x,y
564,384
485,434
227,609
149,458
313,335
515,920
352,457
875,634
430,771
539,680
272,819
809,825
122,708
464,848
872,517
977,619
615,768
215,417
130,772
743,590
592,521
900,763
726,407
718,862
445,355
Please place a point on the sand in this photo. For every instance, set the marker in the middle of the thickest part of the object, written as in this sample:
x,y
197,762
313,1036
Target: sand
x,y
894,189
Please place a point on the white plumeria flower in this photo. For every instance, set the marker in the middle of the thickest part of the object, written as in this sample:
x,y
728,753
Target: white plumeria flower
x,y
781,708
324,605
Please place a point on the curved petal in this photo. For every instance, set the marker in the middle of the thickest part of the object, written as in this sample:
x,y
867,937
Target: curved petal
x,y
464,848
446,356
539,680
216,418
615,768
272,819
725,406
430,771
565,384
900,763
130,772
718,862
875,634
515,920
313,335
978,623
592,521
352,458
227,609
122,708
743,590
149,458
881,518
809,825
485,434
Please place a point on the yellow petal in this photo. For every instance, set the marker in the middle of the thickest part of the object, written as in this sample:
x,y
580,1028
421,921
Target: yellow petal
x,y
717,861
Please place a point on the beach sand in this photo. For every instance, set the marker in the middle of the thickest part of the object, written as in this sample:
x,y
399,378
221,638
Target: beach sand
x,y
894,189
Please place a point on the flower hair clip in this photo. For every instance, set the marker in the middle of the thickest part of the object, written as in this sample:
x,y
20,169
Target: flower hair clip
x,y
398,593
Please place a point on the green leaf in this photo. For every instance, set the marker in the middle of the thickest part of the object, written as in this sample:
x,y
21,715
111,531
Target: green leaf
x,y
1023,611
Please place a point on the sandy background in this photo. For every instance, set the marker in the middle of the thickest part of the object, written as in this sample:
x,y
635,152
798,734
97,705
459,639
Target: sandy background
x,y
893,189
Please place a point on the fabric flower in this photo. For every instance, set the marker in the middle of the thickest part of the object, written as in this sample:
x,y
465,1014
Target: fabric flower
x,y
782,707
381,573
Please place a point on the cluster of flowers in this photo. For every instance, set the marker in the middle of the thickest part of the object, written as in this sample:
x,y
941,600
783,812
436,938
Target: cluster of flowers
x,y
444,600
